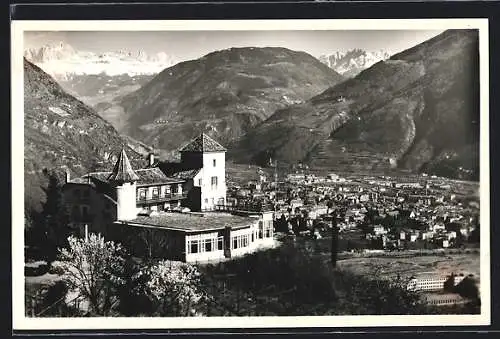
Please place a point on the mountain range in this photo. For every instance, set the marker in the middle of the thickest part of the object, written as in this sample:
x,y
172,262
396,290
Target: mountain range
x,y
61,134
417,111
98,79
225,94
62,61
350,63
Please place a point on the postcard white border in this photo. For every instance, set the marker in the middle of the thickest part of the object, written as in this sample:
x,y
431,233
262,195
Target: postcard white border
x,y
20,322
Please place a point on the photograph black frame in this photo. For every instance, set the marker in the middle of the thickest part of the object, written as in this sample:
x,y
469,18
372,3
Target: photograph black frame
x,y
301,10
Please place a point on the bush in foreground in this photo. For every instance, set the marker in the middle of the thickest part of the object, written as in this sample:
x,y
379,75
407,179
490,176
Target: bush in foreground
x,y
287,281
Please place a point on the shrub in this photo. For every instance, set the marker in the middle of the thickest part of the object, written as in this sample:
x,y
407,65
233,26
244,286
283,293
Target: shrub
x,y
289,282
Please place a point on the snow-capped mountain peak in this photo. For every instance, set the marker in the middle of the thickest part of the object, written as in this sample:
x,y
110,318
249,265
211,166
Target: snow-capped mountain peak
x,y
52,51
61,60
350,63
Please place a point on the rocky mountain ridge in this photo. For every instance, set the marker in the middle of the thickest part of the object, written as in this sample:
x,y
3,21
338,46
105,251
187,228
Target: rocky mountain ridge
x,y
61,134
225,94
417,111
62,61
351,62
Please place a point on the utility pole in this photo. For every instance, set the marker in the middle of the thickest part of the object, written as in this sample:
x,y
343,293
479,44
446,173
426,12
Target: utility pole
x,y
335,240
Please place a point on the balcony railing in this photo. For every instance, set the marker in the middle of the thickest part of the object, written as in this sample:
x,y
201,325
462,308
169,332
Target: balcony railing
x,y
244,208
162,198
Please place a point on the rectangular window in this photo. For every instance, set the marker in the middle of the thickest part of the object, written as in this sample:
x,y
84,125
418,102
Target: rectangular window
x,y
208,245
199,182
142,194
156,192
214,162
194,246
268,233
220,243
235,243
268,229
214,182
167,190
175,188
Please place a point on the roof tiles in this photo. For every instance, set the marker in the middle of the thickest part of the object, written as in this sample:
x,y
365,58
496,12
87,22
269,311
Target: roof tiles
x,y
203,143
123,171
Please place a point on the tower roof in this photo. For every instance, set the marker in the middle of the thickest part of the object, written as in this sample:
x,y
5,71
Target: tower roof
x,y
203,143
123,171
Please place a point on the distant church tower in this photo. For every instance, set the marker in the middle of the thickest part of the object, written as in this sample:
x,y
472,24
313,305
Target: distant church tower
x,y
209,156
123,178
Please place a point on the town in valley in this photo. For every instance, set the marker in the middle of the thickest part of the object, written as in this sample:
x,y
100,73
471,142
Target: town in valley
x,y
252,181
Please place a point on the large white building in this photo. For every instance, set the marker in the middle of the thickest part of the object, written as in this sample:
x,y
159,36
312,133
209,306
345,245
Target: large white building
x,y
203,166
432,282
142,208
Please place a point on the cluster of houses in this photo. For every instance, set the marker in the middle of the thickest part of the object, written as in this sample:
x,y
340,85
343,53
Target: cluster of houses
x,y
196,216
399,213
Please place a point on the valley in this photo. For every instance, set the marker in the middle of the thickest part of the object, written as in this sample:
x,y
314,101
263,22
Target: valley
x,y
412,112
102,92
274,182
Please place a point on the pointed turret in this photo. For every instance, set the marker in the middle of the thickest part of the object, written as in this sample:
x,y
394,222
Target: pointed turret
x,y
123,178
123,171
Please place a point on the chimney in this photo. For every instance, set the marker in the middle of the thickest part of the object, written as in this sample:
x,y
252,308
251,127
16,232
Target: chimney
x,y
151,159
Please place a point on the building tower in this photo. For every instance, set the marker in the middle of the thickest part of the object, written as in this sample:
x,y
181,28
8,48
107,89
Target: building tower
x,y
123,178
209,156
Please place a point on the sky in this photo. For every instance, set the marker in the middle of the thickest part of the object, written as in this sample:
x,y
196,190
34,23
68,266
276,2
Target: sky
x,y
194,44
